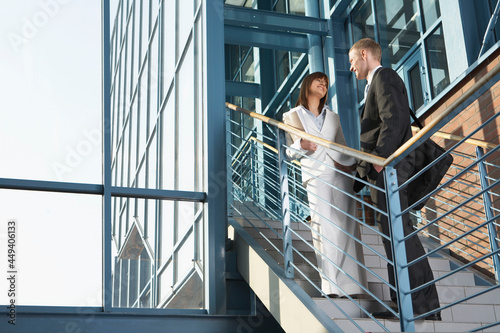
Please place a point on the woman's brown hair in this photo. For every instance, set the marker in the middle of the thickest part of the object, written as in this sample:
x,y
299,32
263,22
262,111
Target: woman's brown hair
x,y
304,90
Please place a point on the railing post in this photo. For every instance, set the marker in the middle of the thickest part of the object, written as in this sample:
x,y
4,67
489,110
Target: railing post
x,y
401,272
253,172
492,232
285,206
229,167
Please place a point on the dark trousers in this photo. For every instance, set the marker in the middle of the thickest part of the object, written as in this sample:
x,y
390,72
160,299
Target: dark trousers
x,y
425,299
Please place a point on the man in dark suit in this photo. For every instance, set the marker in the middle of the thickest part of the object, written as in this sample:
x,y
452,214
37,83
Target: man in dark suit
x,y
385,126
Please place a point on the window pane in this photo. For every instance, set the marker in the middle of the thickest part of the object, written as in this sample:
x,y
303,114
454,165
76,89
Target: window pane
x,y
399,26
282,66
58,237
416,87
50,92
280,6
431,12
440,78
493,4
247,70
363,22
187,129
168,48
297,7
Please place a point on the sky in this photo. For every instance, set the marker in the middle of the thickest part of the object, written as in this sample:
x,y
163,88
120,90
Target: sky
x,y
50,123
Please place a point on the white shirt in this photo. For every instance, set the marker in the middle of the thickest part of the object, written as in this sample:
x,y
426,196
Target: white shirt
x,y
319,120
369,79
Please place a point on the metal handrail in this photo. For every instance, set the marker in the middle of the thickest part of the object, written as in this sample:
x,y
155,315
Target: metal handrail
x,y
454,137
373,158
322,142
435,122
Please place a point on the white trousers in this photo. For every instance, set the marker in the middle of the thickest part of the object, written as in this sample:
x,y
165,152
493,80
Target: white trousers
x,y
327,220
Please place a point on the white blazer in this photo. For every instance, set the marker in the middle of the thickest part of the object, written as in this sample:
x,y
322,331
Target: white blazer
x,y
331,131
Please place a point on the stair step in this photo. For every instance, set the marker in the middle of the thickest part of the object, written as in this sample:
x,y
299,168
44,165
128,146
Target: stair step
x,y
277,233
465,316
368,325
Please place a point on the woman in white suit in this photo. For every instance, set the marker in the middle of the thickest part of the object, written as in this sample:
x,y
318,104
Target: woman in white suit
x,y
320,178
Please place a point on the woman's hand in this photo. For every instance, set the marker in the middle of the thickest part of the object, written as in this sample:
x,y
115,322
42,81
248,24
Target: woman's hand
x,y
308,145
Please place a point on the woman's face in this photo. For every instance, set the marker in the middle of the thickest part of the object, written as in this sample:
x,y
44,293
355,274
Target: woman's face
x,y
318,87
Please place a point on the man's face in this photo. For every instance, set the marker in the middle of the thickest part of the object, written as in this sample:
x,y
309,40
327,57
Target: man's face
x,y
357,59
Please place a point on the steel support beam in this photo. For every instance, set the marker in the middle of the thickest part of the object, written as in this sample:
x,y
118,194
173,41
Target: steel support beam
x,y
244,89
274,21
215,177
267,39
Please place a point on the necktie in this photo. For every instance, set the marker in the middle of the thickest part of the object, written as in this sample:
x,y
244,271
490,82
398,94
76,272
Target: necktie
x,y
366,89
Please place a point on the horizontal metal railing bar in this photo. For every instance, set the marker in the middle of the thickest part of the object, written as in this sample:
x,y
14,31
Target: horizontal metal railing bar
x,y
447,213
442,202
50,186
445,184
257,228
261,220
296,268
359,241
439,248
325,143
339,308
472,198
253,130
247,168
334,264
457,222
266,195
454,137
440,117
328,166
485,327
145,193
241,151
116,191
461,268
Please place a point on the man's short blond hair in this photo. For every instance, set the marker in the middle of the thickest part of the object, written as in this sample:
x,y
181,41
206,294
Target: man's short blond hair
x,y
368,44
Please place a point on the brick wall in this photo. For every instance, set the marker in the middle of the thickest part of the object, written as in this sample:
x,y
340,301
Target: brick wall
x,y
482,109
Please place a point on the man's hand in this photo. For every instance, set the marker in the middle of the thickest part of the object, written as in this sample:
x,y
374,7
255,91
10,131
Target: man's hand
x,y
378,168
345,168
308,145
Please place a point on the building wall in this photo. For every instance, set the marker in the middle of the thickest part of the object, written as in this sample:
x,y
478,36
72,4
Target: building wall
x,y
477,113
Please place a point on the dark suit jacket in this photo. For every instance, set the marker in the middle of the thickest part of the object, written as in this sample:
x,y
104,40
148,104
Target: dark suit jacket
x,y
385,122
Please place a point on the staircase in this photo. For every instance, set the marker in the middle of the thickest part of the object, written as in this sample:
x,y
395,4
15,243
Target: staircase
x,y
466,316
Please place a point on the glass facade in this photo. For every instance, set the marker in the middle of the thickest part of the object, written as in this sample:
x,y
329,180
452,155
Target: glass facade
x,y
404,29
51,133
157,142
159,131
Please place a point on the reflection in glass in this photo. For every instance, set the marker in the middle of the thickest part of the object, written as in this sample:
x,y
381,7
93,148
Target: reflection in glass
x,y
438,65
431,12
280,6
417,96
363,26
493,4
168,265
282,66
297,7
332,3
363,22
247,69
239,66
399,26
